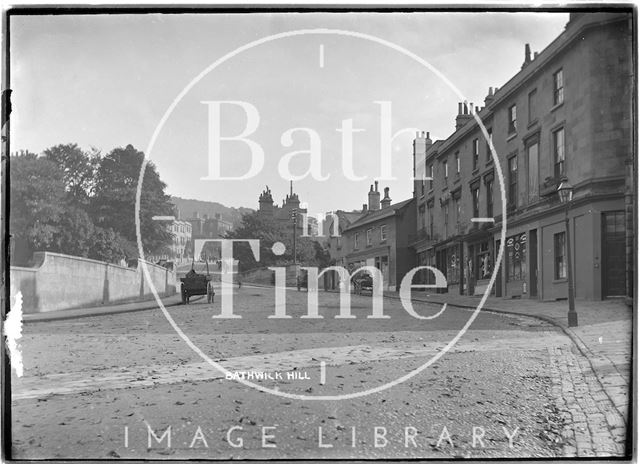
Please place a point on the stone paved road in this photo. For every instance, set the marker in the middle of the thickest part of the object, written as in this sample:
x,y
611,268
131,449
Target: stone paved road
x,y
511,387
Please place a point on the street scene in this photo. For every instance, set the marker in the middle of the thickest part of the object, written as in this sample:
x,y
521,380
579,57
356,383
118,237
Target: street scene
x,y
273,235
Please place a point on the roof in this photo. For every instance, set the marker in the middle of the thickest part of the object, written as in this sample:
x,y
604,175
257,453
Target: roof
x,y
372,216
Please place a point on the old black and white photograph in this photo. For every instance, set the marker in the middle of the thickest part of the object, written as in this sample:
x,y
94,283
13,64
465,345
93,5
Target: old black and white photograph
x,y
319,233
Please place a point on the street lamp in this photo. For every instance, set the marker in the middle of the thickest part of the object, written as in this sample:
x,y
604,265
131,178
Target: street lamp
x,y
565,192
294,218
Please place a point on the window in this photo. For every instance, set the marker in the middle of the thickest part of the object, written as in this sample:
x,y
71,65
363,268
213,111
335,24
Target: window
x,y
383,232
445,167
559,256
445,211
513,181
516,251
457,162
532,166
558,153
558,88
512,127
457,208
533,112
356,239
422,187
431,177
369,236
490,132
421,218
430,218
489,186
475,149
475,201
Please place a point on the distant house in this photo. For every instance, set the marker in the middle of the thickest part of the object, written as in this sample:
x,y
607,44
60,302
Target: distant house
x,y
380,236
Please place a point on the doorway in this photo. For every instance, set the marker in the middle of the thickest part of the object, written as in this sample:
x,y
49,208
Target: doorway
x,y
533,263
613,253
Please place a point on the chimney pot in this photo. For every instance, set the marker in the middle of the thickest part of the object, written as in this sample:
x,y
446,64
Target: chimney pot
x,y
376,182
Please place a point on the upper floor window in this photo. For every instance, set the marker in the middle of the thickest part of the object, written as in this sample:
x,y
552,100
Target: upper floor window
x,y
489,185
356,239
533,111
558,154
512,119
369,236
475,201
422,186
430,177
490,132
430,219
513,181
457,208
421,217
445,167
383,232
457,162
558,87
475,150
533,170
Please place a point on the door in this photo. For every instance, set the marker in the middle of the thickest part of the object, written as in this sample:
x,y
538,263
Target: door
x,y
498,284
613,254
533,263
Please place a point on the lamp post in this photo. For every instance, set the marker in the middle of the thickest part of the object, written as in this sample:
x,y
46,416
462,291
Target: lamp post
x,y
565,192
294,218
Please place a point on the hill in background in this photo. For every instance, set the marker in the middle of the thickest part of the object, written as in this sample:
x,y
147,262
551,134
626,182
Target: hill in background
x,y
189,207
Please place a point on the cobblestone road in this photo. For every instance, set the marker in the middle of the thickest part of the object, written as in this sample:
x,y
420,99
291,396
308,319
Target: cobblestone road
x,y
511,387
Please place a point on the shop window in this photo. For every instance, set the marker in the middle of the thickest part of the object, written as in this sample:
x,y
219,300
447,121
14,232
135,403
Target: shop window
x,y
484,265
453,265
559,254
516,257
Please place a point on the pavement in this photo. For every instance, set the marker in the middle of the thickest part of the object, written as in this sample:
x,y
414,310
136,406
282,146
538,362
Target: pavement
x,y
603,335
102,310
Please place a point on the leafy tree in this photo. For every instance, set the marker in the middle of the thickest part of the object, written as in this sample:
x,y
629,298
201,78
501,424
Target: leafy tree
x,y
36,200
78,167
107,245
113,204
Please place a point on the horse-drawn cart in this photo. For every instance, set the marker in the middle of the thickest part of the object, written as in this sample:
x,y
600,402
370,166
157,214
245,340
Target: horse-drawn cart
x,y
197,284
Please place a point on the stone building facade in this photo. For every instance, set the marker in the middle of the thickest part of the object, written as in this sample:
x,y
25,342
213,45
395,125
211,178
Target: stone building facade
x,y
379,237
566,114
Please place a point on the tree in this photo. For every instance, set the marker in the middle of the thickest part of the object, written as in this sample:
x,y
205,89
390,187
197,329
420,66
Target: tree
x,y
113,204
78,168
36,201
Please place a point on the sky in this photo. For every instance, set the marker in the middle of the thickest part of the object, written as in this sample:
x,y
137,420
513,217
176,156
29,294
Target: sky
x,y
106,81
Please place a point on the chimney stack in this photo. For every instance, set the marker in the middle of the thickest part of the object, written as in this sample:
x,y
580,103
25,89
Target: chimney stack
x,y
364,207
386,201
374,198
527,55
463,115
